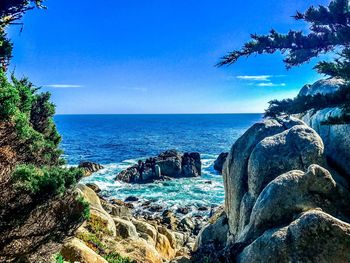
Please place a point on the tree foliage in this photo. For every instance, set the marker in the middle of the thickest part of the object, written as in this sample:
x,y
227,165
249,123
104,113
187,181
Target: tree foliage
x,y
340,98
329,31
10,12
32,114
45,180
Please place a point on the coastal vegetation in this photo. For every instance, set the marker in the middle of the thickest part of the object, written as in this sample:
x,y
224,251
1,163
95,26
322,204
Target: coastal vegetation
x,y
30,113
329,33
39,207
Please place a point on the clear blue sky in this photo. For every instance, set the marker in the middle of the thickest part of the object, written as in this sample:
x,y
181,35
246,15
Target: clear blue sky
x,y
156,56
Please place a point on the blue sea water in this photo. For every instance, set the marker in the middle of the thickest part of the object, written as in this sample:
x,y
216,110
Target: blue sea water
x,y
118,141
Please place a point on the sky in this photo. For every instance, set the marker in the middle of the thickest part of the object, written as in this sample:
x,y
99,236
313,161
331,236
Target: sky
x,y
156,56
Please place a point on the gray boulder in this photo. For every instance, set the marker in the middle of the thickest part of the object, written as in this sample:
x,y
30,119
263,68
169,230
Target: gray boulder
x,y
213,233
323,86
336,138
219,162
303,192
295,148
235,172
313,237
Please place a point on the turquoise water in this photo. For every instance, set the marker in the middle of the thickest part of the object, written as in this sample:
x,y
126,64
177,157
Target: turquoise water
x,y
118,141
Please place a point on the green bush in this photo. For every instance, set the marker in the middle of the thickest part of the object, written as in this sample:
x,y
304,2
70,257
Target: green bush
x,y
45,180
31,113
86,205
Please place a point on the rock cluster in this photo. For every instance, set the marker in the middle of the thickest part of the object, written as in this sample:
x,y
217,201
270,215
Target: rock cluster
x,y
90,167
169,164
113,230
281,202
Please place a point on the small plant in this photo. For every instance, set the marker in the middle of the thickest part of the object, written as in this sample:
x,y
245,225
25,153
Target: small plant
x,y
116,258
98,227
86,206
59,258
93,242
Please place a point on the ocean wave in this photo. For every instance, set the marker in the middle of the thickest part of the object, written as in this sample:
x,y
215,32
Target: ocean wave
x,y
192,193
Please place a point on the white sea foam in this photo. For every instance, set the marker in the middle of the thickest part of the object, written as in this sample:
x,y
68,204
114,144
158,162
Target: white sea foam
x,y
206,190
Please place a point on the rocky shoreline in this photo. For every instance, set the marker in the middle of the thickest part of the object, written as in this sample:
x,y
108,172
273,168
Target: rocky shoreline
x,y
286,200
113,225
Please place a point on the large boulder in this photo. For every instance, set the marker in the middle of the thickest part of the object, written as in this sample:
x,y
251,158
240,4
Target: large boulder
x,y
295,148
214,233
219,162
97,212
139,250
171,164
76,251
313,237
235,168
303,192
335,137
125,229
281,204
323,86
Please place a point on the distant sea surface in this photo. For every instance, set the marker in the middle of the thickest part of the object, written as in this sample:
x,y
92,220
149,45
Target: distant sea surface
x,y
118,141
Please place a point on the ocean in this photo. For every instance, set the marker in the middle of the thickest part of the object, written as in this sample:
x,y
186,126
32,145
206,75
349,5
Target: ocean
x,y
118,141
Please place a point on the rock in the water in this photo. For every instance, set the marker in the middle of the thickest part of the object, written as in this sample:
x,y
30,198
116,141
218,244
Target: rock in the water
x,y
131,199
169,164
182,210
219,162
90,167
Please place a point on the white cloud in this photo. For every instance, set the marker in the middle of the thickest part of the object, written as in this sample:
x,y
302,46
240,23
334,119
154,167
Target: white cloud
x,y
270,84
256,78
63,86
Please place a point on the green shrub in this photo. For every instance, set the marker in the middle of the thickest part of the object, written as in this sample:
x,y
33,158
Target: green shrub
x,y
31,113
86,205
59,258
45,180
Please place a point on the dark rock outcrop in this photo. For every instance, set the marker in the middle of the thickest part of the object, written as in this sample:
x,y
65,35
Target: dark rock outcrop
x,y
90,167
219,162
169,164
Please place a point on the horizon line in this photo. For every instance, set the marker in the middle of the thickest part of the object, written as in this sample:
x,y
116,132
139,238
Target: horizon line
x,y
234,113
